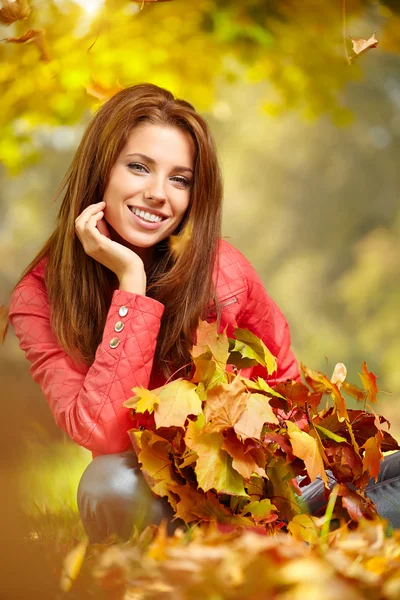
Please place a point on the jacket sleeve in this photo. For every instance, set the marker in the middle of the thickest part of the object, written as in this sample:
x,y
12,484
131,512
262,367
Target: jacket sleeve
x,y
264,318
87,402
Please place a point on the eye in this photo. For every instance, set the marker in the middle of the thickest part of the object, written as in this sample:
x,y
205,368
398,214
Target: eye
x,y
181,180
137,167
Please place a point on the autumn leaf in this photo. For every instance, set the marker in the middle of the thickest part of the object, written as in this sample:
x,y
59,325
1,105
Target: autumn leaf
x,y
72,565
261,510
178,400
254,348
297,392
3,323
154,456
320,383
101,92
211,509
225,404
209,340
243,462
357,505
361,45
305,527
14,10
179,243
257,412
329,434
306,447
373,456
354,391
37,37
368,381
214,466
144,400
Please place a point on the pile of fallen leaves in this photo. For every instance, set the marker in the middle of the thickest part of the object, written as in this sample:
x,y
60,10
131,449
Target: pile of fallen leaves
x,y
227,449
210,564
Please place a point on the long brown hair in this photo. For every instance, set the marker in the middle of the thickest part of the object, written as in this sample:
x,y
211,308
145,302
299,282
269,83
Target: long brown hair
x,y
80,288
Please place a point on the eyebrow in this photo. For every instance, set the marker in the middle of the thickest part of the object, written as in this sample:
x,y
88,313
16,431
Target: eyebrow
x,y
152,161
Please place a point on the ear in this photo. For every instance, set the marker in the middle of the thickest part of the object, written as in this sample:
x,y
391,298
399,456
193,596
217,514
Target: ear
x,y
102,227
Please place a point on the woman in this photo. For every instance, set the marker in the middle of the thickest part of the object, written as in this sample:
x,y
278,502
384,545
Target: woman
x,y
106,305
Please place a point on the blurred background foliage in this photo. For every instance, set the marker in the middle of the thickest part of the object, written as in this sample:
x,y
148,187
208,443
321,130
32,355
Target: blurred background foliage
x,y
310,150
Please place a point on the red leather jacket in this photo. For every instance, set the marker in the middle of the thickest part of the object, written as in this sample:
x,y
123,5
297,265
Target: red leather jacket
x,y
87,401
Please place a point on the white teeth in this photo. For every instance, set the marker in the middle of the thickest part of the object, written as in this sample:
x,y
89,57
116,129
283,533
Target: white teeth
x,y
146,216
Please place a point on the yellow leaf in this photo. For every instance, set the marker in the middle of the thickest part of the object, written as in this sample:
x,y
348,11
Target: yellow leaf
x,y
306,447
304,527
224,406
361,45
178,400
14,10
179,243
72,565
257,412
144,400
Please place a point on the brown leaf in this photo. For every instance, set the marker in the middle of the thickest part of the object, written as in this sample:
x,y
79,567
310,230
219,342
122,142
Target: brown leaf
x,y
3,323
357,505
258,412
225,404
37,37
243,461
14,11
361,45
298,393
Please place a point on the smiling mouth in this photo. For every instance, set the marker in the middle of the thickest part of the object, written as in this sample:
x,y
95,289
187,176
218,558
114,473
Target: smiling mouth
x,y
146,216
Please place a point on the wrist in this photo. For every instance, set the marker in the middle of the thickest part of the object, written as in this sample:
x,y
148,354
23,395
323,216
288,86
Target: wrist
x,y
133,282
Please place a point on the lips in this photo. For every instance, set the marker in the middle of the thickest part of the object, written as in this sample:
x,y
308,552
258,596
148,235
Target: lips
x,y
146,224
147,213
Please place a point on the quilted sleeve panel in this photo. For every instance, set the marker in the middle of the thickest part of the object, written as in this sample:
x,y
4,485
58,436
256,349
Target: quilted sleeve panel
x,y
264,318
87,402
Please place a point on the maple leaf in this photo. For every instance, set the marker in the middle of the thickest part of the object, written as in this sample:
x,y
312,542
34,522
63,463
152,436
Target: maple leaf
x,y
320,383
3,322
254,348
257,412
153,453
209,340
280,488
242,461
37,37
361,45
357,505
178,399
214,466
329,434
224,406
306,447
298,393
179,243
101,92
305,527
14,10
144,400
211,509
373,456
354,391
261,510
368,381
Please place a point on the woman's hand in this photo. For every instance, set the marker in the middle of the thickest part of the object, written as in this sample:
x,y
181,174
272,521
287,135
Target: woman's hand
x,y
95,238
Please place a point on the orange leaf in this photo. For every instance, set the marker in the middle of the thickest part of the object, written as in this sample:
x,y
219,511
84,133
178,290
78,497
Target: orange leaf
x,y
320,383
361,45
373,456
224,406
102,93
306,447
179,243
368,381
37,37
354,391
14,11
257,412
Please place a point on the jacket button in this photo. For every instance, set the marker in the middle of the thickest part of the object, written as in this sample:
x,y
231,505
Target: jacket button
x,y
123,311
119,326
114,342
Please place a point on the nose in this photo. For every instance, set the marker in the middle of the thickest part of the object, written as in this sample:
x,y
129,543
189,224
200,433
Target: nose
x,y
156,191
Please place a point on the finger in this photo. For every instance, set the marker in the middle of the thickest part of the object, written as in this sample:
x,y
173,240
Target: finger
x,y
88,212
102,227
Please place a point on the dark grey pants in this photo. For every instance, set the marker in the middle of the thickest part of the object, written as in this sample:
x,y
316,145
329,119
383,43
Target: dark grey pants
x,y
113,496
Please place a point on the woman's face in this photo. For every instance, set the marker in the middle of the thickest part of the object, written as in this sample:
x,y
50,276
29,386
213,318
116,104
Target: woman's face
x,y
149,188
